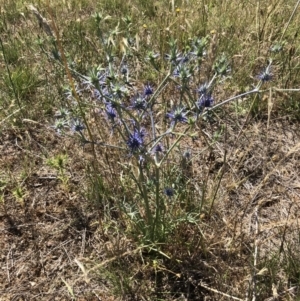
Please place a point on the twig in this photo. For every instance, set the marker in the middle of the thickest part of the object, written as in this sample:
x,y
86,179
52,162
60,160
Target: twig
x,y
97,296
7,267
218,292
83,242
43,22
13,113
255,255
290,19
230,99
286,90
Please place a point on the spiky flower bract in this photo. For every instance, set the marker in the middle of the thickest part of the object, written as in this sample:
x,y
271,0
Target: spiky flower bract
x,y
148,90
138,102
178,115
77,125
203,89
266,75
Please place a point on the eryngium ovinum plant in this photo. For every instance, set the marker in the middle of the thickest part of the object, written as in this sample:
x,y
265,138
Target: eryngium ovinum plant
x,y
140,130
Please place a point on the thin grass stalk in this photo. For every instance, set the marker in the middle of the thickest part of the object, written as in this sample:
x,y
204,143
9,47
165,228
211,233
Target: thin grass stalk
x,y
218,184
9,76
290,20
149,216
158,200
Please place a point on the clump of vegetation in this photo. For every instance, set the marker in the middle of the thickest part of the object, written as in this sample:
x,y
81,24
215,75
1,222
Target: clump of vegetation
x,y
175,140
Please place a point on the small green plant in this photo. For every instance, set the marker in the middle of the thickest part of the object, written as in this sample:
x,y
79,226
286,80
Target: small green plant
x,y
22,83
19,194
59,163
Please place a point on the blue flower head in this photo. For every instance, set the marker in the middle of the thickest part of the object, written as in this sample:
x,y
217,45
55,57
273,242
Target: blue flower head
x,y
124,70
169,192
158,148
96,78
205,101
178,115
266,75
96,94
187,154
77,126
135,140
111,112
148,90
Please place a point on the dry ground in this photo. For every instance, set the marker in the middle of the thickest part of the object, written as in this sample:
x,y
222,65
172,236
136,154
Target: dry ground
x,y
254,221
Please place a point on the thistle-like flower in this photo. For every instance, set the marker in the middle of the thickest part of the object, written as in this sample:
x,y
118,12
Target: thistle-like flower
x,y
203,89
118,90
169,192
62,113
177,115
158,149
222,65
60,125
111,112
199,45
135,140
148,90
77,125
205,101
124,70
103,95
183,72
266,75
70,94
96,78
174,56
138,103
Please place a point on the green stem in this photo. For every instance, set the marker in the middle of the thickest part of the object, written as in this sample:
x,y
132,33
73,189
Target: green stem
x,y
173,145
